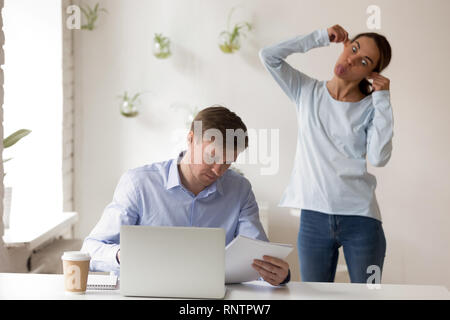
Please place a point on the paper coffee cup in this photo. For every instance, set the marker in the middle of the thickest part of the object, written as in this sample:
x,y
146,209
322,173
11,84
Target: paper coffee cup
x,y
76,269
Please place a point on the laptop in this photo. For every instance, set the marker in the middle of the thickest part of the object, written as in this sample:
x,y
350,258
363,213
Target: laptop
x,y
177,262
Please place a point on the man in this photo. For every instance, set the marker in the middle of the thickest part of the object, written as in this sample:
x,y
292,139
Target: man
x,y
196,189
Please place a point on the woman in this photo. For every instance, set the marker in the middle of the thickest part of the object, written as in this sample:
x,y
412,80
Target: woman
x,y
341,122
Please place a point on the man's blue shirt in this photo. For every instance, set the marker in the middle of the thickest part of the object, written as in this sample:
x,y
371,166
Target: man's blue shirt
x,y
153,195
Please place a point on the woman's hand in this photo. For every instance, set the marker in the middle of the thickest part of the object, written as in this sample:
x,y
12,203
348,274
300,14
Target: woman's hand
x,y
337,34
379,82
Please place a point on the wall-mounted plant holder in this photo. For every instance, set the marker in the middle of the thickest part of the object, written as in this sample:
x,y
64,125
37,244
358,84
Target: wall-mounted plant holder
x,y
91,16
129,105
161,46
229,40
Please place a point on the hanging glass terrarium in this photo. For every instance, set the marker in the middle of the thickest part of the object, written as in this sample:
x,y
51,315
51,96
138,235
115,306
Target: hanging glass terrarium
x,y
229,43
161,46
129,105
229,40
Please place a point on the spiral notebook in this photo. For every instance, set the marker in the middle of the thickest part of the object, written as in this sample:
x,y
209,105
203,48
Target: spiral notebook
x,y
102,281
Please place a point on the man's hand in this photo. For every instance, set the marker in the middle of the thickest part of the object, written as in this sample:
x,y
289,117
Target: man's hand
x,y
271,269
337,34
379,82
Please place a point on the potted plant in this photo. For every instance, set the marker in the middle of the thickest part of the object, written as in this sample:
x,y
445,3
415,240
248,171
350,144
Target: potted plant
x,y
91,16
11,140
161,46
229,40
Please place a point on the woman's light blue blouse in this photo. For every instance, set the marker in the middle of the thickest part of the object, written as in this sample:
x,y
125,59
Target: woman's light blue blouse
x,y
334,138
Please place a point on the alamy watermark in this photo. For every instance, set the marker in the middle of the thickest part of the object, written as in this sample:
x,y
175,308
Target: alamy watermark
x,y
264,147
374,280
374,20
73,21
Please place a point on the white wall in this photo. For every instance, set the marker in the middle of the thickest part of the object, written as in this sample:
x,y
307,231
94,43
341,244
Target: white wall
x,y
412,190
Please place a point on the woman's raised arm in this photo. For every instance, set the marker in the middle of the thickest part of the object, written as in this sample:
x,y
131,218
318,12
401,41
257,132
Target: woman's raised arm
x,y
291,80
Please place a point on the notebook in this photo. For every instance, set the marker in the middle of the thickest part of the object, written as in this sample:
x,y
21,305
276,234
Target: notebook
x,y
239,255
102,281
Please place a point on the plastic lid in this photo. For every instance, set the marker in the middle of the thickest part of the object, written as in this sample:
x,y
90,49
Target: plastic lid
x,y
76,256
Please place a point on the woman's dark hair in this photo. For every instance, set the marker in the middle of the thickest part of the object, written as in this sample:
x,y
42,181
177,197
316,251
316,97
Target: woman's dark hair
x,y
385,57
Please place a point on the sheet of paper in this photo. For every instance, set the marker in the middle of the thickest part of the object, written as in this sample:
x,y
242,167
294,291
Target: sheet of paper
x,y
239,255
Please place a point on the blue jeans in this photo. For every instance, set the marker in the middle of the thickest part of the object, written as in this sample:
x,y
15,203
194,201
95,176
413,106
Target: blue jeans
x,y
322,234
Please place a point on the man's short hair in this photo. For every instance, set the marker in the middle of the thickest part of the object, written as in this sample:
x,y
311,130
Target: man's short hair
x,y
222,119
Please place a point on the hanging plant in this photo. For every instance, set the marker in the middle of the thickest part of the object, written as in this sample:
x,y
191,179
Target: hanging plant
x,y
229,40
128,105
161,46
91,16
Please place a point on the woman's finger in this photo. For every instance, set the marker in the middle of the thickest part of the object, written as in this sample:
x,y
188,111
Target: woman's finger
x,y
342,33
379,77
337,34
334,35
377,83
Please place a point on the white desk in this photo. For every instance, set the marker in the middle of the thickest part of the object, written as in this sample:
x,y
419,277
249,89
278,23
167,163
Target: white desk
x,y
50,286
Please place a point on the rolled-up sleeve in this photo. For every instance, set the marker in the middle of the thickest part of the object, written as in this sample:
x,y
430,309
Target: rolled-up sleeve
x,y
380,130
104,241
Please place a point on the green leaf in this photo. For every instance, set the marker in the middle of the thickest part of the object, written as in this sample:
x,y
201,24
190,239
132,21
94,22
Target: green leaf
x,y
91,16
229,17
83,10
15,137
163,41
135,96
91,12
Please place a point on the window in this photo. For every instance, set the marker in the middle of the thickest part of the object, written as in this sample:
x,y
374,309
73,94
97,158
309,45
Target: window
x,y
33,97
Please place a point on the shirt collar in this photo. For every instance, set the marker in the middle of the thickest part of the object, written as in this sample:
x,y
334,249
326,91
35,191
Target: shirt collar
x,y
173,178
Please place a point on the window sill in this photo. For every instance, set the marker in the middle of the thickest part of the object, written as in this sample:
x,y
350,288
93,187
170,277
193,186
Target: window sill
x,y
29,237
